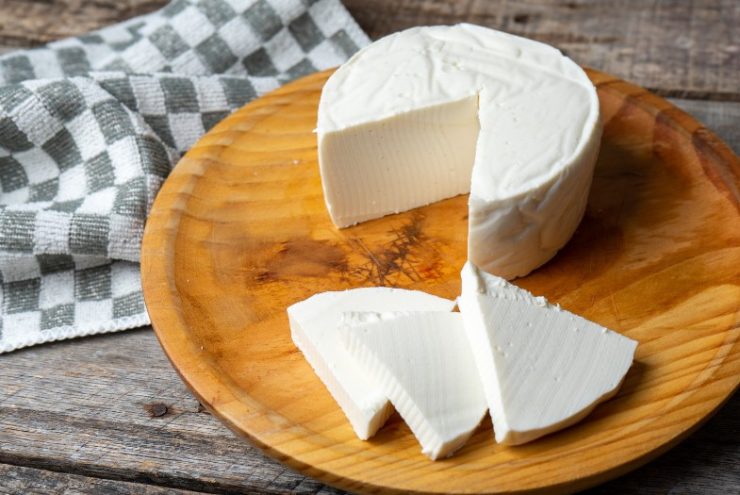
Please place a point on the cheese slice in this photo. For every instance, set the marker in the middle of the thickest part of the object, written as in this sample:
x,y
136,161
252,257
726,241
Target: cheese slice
x,y
542,368
411,118
314,326
424,365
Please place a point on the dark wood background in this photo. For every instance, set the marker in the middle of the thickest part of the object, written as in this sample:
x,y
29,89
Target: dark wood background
x,y
108,415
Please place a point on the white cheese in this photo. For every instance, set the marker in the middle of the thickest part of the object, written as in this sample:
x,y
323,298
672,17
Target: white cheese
x,y
424,365
314,326
542,368
411,118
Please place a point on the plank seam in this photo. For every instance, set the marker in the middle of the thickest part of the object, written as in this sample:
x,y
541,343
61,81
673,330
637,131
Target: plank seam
x,y
83,470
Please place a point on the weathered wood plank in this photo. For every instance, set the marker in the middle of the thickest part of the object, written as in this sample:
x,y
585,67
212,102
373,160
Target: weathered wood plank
x,y
29,481
26,23
112,407
678,48
687,49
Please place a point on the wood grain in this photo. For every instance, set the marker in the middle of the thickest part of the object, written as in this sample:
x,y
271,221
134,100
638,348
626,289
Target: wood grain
x,y
27,23
722,118
688,49
240,231
99,389
29,481
112,407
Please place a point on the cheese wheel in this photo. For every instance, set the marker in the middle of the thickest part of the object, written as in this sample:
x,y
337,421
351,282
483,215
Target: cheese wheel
x,y
434,112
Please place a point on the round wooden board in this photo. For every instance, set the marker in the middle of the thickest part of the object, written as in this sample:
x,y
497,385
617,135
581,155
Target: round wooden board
x,y
239,232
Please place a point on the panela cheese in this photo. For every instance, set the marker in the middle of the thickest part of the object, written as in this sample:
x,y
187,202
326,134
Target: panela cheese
x,y
433,112
542,368
423,363
314,326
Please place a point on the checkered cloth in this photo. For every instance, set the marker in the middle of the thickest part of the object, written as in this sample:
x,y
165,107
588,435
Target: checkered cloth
x,y
91,126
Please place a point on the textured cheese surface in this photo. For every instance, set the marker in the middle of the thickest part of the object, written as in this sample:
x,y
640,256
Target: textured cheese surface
x,y
424,365
542,368
412,118
314,325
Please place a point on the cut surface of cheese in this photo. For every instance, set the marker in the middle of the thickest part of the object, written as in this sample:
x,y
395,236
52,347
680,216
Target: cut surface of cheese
x,y
542,368
423,363
314,326
433,112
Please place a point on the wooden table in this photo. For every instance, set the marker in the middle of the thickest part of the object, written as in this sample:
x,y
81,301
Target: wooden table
x,y
108,414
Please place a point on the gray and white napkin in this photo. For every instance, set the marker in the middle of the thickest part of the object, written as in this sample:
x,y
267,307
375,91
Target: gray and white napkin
x,y
91,126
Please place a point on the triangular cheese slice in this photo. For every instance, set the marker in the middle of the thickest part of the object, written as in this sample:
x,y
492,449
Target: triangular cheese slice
x,y
314,328
542,368
424,365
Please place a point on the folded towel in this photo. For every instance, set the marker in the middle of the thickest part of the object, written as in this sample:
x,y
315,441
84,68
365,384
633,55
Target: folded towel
x,y
91,126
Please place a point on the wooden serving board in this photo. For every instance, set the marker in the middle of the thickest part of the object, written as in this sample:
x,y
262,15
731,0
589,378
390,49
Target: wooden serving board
x,y
239,232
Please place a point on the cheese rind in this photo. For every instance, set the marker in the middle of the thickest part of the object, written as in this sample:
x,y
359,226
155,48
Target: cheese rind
x,y
423,363
314,326
542,368
432,112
